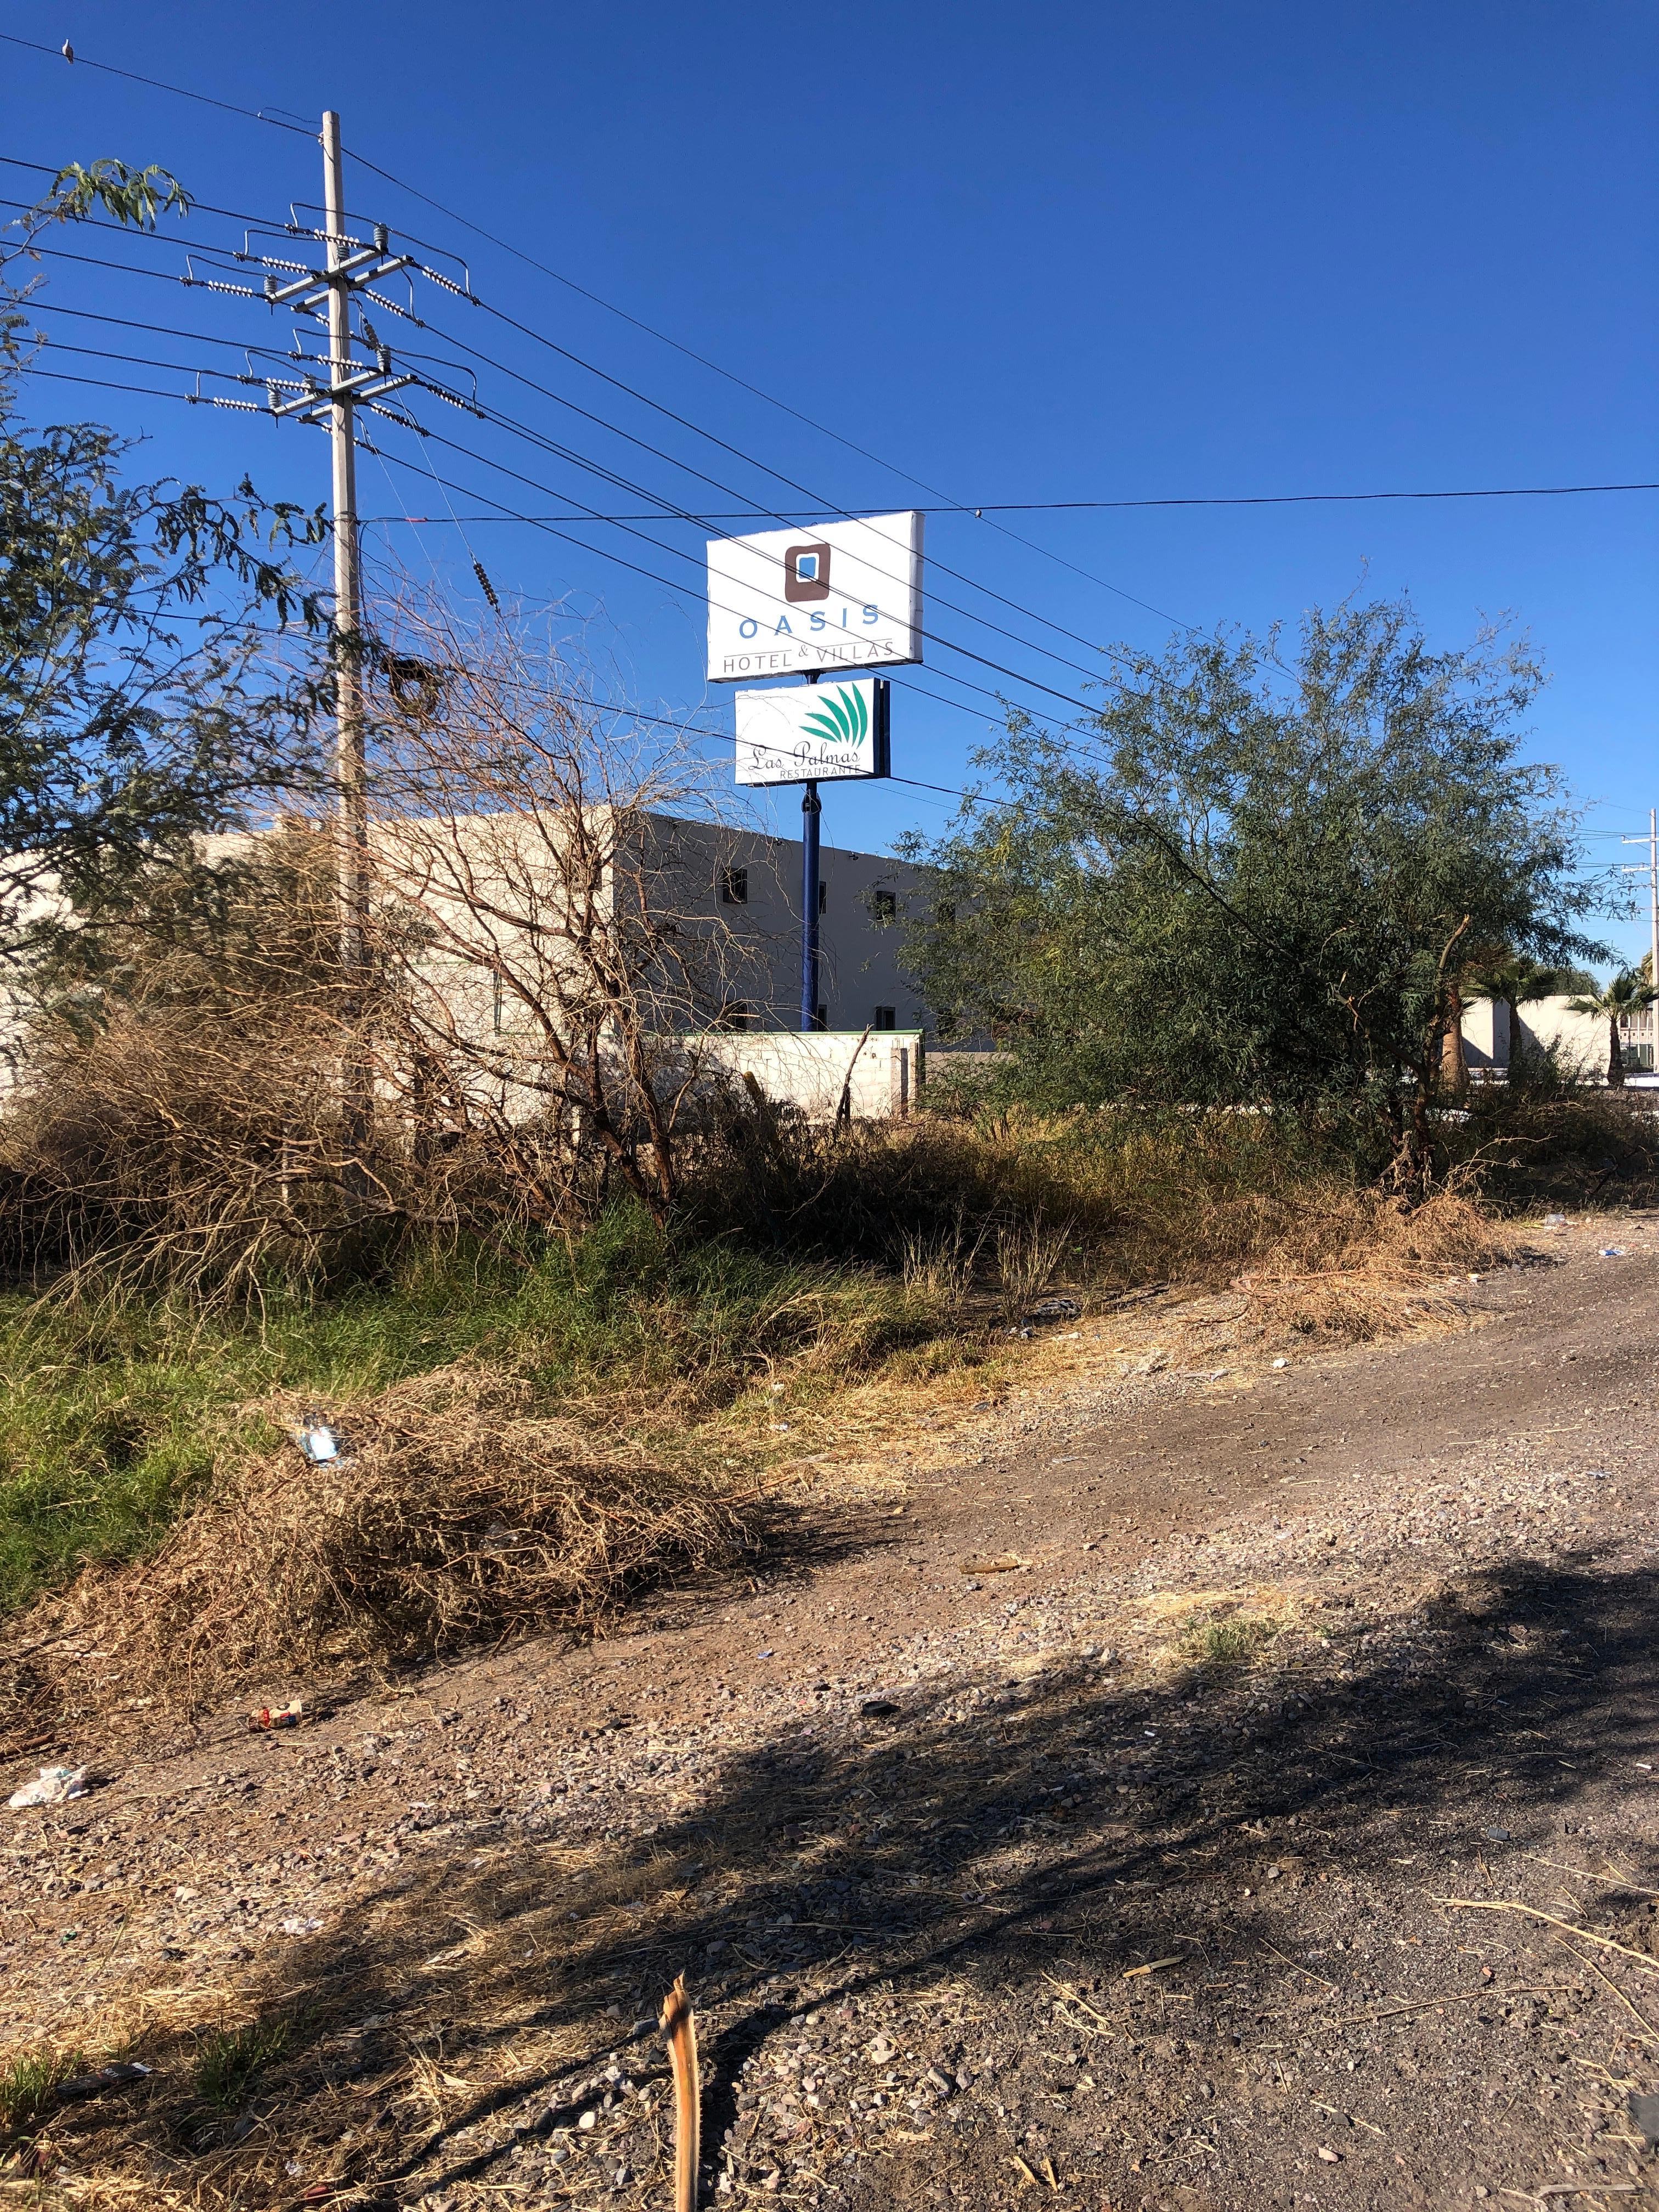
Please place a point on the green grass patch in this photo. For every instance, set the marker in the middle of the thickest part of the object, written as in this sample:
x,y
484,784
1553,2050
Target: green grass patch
x,y
1236,1641
228,2060
112,1416
26,2081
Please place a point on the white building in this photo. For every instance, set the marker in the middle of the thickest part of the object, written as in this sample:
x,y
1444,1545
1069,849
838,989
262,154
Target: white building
x,y
1578,1041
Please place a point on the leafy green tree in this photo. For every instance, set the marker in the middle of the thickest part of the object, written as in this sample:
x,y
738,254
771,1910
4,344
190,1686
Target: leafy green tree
x,y
1253,879
1627,995
139,703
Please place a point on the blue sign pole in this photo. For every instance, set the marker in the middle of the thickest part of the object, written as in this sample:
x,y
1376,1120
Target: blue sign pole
x,y
809,811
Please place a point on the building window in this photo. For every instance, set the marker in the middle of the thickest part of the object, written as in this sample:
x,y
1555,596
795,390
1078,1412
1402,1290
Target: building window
x,y
734,886
884,908
737,1016
945,913
823,896
885,1018
821,1018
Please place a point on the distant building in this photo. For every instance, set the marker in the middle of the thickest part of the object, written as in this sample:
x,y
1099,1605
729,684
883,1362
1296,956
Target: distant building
x,y
749,885
1578,1041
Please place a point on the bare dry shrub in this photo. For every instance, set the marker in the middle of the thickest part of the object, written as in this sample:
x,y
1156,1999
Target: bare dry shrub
x,y
459,1513
545,952
221,1084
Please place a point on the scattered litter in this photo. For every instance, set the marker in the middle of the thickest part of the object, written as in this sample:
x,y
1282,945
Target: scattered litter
x,y
1281,1362
1497,1835
1599,1473
80,2085
778,1428
1555,1221
1055,1309
1152,1966
1611,1252
54,1785
1645,2111
319,1440
877,1709
1331,2157
294,1925
275,1716
767,1654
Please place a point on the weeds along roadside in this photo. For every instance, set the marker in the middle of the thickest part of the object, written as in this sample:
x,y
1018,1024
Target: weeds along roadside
x,y
844,1280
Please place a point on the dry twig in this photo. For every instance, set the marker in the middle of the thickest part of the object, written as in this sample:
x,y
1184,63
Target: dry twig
x,y
680,2033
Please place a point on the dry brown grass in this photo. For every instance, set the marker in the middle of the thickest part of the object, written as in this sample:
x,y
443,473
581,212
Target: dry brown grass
x,y
1349,1265
458,1514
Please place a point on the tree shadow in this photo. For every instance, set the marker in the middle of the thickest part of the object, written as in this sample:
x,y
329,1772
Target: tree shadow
x,y
1008,1840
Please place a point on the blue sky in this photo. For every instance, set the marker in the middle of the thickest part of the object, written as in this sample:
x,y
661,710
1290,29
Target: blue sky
x,y
1066,251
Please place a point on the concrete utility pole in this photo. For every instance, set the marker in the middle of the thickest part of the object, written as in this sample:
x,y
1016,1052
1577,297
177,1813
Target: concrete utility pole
x,y
328,389
351,765
1651,871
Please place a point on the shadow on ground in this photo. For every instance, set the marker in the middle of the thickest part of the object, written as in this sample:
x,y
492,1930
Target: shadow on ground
x,y
982,1870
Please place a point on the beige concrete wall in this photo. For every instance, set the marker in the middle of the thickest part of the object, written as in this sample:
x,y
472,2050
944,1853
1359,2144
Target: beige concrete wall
x,y
811,1071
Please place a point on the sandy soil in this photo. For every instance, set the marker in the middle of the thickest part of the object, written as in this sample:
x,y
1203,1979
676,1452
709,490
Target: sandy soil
x,y
1193,1785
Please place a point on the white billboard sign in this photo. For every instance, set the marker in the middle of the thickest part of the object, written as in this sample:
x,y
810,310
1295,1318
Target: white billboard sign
x,y
833,595
815,732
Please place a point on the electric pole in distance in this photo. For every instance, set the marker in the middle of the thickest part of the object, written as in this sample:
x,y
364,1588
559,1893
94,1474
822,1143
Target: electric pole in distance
x,y
328,391
1651,871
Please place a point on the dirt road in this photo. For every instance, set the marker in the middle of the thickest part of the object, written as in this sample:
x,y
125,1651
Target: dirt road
x,y
1226,1787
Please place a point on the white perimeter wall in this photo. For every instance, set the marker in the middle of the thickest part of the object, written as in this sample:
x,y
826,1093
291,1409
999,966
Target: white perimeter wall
x,y
810,1070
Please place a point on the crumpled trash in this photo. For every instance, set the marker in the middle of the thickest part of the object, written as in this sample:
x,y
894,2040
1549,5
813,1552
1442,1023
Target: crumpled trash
x,y
1555,1221
318,1438
54,1785
1497,1835
1054,1310
94,2085
1611,1252
295,1925
275,1716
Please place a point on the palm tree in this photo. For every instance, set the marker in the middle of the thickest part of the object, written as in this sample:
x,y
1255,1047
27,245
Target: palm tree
x,y
1513,980
1627,993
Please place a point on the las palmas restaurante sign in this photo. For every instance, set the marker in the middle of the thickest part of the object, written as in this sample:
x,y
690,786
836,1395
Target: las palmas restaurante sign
x,y
824,733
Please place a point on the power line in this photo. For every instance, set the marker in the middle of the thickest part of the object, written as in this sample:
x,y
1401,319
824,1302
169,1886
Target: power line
x,y
156,84
673,461
805,514
704,521
956,506
195,206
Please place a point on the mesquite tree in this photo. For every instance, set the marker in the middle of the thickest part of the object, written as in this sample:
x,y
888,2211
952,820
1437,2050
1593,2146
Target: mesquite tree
x,y
1252,877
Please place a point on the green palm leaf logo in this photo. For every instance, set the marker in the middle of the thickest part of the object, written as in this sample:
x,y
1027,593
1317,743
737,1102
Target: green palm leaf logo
x,y
840,717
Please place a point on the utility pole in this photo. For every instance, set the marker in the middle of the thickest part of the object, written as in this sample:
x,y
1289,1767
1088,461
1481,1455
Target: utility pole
x,y
351,756
328,391
1651,871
